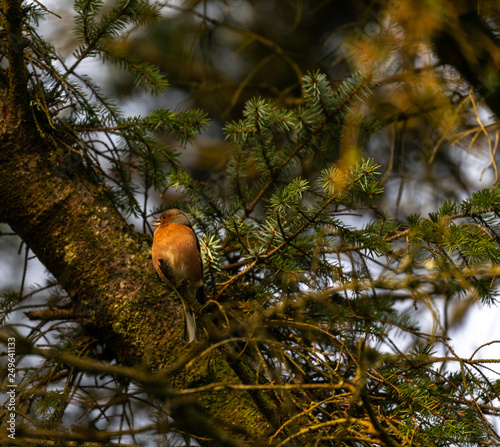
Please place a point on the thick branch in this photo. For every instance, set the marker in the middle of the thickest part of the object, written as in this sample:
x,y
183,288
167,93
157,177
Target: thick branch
x,y
51,314
18,97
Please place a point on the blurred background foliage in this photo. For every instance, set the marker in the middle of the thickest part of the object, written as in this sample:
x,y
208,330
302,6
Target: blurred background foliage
x,y
220,54
436,142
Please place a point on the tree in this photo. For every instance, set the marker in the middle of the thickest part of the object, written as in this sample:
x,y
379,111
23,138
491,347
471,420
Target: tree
x,y
312,331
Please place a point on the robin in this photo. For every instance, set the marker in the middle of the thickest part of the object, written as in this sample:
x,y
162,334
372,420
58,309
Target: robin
x,y
175,242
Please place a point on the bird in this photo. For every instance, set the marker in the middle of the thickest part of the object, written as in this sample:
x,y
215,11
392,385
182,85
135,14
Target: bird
x,y
176,243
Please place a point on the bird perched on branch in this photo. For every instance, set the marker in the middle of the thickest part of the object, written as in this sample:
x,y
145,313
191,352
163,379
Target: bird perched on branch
x,y
175,243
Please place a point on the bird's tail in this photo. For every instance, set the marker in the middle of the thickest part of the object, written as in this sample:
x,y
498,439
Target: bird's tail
x,y
190,327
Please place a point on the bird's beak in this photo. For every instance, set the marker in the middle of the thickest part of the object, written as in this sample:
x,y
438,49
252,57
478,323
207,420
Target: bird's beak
x,y
157,224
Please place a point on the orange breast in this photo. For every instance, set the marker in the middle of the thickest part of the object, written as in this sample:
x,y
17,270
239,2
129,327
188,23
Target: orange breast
x,y
176,244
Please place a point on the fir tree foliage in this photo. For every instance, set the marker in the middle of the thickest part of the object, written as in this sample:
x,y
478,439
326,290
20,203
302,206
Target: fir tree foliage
x,y
308,284
90,129
328,291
